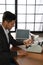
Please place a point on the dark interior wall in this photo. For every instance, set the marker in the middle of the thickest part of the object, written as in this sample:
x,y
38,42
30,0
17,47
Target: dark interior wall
x,y
38,33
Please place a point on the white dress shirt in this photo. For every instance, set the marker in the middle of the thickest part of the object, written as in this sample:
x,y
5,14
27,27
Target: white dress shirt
x,y
6,33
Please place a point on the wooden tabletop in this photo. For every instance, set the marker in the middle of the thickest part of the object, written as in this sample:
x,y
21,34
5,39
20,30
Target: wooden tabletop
x,y
29,59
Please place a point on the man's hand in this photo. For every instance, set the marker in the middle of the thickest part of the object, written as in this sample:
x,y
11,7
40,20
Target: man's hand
x,y
28,42
21,52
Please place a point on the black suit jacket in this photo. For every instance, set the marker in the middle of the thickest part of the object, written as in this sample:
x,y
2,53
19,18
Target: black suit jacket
x,y
5,53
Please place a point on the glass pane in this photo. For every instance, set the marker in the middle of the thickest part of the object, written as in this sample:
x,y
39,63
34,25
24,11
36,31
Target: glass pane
x,y
2,1
30,26
21,18
38,27
10,1
30,18
41,27
39,18
10,8
1,17
30,1
39,9
21,1
39,1
21,25
2,8
13,29
21,9
30,9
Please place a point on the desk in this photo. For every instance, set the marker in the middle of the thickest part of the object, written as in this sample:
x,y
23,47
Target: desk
x,y
29,59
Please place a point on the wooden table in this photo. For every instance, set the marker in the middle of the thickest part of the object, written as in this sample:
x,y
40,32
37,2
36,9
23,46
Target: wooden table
x,y
29,59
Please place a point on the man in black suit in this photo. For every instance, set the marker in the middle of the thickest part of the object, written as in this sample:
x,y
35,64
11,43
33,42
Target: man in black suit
x,y
6,56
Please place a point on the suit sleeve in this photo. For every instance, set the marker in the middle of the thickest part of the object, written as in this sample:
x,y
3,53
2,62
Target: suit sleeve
x,y
14,42
5,57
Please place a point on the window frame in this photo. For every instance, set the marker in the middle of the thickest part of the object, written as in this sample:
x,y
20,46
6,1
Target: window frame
x,y
34,18
5,4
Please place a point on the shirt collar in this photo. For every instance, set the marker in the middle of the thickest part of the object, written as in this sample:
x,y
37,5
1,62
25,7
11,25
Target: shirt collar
x,y
5,30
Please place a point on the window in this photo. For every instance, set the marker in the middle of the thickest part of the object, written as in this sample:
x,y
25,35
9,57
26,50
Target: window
x,y
7,5
30,15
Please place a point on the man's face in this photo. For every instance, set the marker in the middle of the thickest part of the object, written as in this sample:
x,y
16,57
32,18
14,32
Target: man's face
x,y
10,24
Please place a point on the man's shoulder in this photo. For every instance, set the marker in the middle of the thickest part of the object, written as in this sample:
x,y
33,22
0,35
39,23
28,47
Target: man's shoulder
x,y
0,26
1,29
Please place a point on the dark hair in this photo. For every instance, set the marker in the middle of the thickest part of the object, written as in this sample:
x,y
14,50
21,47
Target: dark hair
x,y
8,16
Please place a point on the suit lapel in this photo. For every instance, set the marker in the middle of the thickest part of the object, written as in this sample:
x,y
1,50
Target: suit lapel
x,y
3,33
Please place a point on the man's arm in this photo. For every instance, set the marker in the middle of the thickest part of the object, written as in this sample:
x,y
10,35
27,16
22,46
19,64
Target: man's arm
x,y
14,42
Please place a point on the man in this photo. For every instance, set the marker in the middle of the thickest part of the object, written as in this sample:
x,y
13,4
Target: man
x,y
6,56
